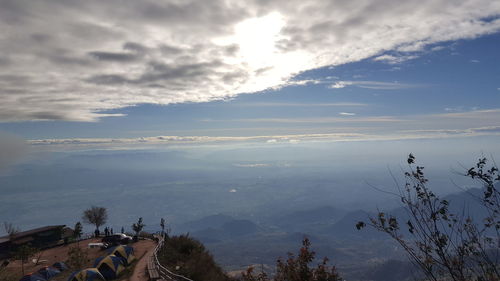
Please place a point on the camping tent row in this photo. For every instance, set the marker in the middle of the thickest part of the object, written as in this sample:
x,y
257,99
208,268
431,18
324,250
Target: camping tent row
x,y
108,267
45,273
124,252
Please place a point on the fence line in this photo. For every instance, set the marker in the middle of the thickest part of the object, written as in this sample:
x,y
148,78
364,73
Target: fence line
x,y
162,271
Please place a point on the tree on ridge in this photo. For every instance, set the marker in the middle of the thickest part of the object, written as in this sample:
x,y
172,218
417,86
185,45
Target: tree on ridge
x,y
96,216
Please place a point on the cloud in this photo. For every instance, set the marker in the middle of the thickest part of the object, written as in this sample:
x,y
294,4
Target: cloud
x,y
118,143
94,56
454,109
332,129
374,85
159,142
254,165
438,48
317,120
390,59
490,130
347,113
412,47
340,84
283,104
110,56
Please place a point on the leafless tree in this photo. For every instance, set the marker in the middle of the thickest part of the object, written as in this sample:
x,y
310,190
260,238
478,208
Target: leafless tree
x,y
10,229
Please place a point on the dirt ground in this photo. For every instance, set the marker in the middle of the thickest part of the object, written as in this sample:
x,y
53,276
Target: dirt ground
x,y
142,254
50,256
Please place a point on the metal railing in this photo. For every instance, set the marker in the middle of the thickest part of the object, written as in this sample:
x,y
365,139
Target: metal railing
x,y
164,273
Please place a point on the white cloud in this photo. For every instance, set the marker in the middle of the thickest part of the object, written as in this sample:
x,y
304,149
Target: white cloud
x,y
412,47
390,59
284,104
454,109
320,120
489,130
340,84
347,113
437,48
375,85
94,56
474,61
445,125
254,165
461,108
119,143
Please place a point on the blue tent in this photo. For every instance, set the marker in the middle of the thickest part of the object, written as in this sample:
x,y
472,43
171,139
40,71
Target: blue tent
x,y
61,266
124,252
110,266
89,274
33,277
48,272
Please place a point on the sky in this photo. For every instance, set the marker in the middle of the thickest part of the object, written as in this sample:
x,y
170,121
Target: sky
x,y
250,101
125,73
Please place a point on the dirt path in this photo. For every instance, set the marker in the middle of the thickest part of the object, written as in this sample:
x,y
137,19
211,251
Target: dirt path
x,y
140,271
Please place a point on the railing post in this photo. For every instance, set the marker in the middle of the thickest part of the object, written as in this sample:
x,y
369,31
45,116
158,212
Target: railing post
x,y
163,271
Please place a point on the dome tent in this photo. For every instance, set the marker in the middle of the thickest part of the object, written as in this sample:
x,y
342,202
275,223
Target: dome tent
x,y
61,266
109,266
48,272
33,277
125,252
89,274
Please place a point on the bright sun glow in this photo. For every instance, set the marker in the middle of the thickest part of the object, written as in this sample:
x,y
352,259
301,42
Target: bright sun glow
x,y
256,39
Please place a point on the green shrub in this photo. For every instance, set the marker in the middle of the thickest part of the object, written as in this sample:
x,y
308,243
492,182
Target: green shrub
x,y
188,257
